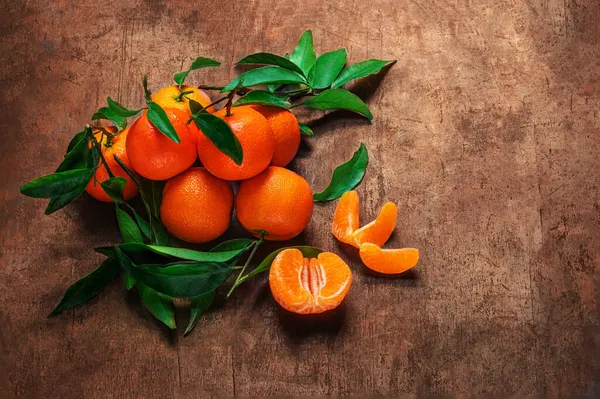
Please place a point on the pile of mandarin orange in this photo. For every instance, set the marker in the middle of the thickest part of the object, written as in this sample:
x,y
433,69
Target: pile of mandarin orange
x,y
272,201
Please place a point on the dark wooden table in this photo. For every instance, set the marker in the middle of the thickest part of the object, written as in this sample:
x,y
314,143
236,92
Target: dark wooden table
x,y
486,133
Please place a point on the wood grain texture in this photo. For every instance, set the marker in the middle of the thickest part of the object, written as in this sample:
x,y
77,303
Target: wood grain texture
x,y
486,133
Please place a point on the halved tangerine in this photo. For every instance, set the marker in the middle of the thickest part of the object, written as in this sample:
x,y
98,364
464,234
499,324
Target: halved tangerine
x,y
388,261
378,231
346,217
307,286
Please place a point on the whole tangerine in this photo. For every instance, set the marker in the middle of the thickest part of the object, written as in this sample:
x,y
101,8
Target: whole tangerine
x,y
286,131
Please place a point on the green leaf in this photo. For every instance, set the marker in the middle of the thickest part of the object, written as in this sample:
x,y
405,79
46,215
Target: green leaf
x,y
127,170
143,224
161,306
339,99
159,233
147,94
88,287
130,232
263,76
346,176
327,68
182,280
121,110
307,252
114,187
359,70
78,154
111,115
199,306
129,281
154,189
158,117
304,54
269,59
195,107
63,200
219,132
263,97
234,244
57,184
200,62
305,130
182,253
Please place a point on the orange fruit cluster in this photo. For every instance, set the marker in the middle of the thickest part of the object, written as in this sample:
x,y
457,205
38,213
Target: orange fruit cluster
x,y
372,236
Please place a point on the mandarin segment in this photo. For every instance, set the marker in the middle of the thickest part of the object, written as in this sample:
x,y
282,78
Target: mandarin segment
x,y
257,141
378,231
196,206
308,286
388,261
277,201
109,150
154,155
346,217
170,97
286,132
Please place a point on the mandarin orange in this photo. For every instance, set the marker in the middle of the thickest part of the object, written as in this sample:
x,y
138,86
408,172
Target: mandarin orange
x,y
111,147
196,206
257,141
170,97
286,131
154,155
278,202
307,286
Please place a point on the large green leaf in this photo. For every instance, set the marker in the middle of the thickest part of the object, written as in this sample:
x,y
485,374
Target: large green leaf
x,y
359,70
264,76
263,97
182,280
161,121
346,176
121,110
60,201
219,132
327,68
200,62
339,99
161,306
269,59
57,184
130,232
198,307
88,287
111,115
233,244
304,54
182,253
78,154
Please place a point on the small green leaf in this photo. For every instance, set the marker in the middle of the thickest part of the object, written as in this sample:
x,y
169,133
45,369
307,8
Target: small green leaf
x,y
111,115
153,191
182,280
219,132
232,245
121,110
57,184
147,94
305,130
182,253
130,232
161,306
114,187
346,176
78,154
304,54
143,224
307,252
159,118
359,70
129,281
160,236
196,107
88,286
263,76
199,306
200,62
327,68
339,99
263,97
63,200
269,59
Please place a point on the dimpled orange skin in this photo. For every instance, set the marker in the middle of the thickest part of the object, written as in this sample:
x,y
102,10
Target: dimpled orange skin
x,y
257,141
277,201
117,148
154,155
309,286
286,131
167,98
196,206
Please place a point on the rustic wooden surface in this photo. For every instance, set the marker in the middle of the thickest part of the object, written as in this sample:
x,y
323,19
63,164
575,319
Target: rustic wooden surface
x,y
486,132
